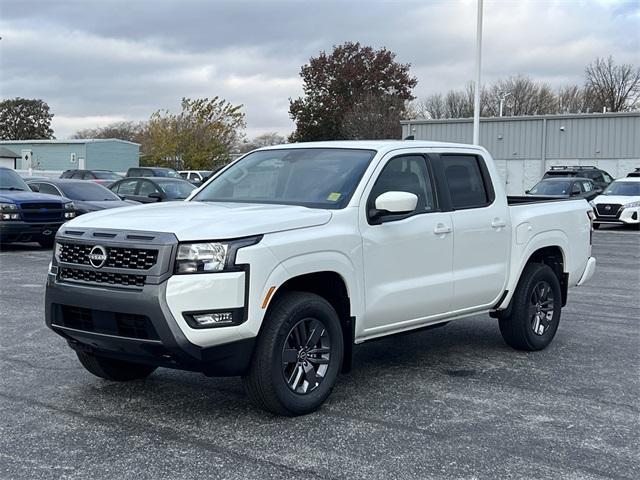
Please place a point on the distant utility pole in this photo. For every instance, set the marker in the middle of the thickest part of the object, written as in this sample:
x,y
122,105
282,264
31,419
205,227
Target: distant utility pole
x,y
503,96
476,100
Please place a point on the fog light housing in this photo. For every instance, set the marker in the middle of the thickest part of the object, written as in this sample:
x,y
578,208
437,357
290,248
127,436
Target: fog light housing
x,y
215,318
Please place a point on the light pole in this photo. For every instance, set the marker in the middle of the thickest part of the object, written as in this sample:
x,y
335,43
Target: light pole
x,y
476,99
503,96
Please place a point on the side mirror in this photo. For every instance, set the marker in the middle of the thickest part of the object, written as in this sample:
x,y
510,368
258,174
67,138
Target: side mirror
x,y
527,192
34,187
598,190
393,203
156,196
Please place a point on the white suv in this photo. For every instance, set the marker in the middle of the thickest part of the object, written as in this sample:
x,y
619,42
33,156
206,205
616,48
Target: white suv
x,y
619,204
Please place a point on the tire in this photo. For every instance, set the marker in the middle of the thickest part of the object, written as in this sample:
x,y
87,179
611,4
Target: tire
x,y
46,242
536,305
111,369
279,369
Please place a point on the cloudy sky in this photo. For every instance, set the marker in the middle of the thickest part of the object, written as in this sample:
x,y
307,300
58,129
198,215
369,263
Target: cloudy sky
x,y
100,61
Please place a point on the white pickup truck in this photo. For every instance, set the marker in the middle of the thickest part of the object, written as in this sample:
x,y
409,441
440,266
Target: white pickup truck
x,y
292,254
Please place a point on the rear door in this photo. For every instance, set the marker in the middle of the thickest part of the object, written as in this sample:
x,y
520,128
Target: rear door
x,y
481,232
407,258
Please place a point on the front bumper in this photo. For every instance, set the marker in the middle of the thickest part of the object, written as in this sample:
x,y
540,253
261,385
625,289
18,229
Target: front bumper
x,y
21,231
97,331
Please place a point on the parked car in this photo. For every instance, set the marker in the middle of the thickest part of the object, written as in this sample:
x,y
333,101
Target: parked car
x,y
268,273
197,177
619,204
26,216
152,172
600,178
151,190
564,187
103,177
87,196
635,173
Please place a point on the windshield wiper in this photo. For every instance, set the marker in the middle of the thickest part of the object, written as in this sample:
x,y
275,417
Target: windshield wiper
x,y
13,188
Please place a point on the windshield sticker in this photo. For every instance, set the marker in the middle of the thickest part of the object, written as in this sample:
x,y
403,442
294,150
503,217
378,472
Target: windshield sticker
x,y
334,197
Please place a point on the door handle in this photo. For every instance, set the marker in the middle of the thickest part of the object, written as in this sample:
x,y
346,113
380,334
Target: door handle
x,y
441,229
498,223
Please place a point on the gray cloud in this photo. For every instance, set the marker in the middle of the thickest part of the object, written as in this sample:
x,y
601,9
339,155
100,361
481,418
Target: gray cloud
x,y
99,61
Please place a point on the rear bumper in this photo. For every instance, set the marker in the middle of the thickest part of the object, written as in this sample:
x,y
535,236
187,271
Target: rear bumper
x,y
588,271
165,346
20,231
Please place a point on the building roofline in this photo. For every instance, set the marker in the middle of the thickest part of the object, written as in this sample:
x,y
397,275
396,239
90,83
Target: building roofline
x,y
571,116
70,141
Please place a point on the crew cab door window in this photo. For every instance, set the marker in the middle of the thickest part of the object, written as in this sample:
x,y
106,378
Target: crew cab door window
x,y
127,187
481,232
407,261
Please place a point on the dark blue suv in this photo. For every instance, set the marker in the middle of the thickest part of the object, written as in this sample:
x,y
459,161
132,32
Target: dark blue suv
x,y
26,216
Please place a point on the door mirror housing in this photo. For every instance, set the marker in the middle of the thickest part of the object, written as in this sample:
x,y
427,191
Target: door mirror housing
x,y
156,196
393,203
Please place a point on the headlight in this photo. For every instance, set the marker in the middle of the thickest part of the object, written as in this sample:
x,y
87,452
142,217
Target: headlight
x,y
9,211
69,208
201,257
632,204
208,257
8,207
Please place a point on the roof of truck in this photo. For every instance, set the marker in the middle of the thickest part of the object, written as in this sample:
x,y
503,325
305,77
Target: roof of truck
x,y
375,145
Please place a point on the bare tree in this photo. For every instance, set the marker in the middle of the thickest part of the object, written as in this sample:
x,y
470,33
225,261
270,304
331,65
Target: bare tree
x,y
264,140
614,87
374,117
130,131
431,107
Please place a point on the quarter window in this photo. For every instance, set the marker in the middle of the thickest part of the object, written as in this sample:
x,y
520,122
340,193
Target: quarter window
x,y
465,181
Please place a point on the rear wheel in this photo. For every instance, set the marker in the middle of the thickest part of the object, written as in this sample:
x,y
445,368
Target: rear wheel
x,y
297,357
535,312
111,369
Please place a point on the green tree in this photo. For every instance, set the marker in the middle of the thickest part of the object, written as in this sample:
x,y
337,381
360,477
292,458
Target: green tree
x,y
198,138
25,119
335,83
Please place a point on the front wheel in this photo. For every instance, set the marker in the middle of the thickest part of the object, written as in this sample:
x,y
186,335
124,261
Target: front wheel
x,y
535,312
297,357
111,369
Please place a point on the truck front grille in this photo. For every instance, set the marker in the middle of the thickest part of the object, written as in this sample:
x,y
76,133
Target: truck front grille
x,y
110,323
117,257
41,212
101,277
608,209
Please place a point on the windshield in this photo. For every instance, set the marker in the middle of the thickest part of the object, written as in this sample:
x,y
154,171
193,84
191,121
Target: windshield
x,y
88,192
176,190
10,180
107,175
551,188
627,189
311,177
166,172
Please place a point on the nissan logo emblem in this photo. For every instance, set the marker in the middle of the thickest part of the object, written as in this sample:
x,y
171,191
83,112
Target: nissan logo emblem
x,y
608,207
97,256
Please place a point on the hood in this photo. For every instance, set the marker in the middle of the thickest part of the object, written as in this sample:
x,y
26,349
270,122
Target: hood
x,y
16,196
95,205
616,199
200,220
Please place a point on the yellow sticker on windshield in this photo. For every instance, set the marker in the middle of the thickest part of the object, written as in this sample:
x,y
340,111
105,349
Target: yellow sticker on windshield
x,y
334,197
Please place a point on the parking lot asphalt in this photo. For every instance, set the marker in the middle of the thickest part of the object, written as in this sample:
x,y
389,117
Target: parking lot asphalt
x,y
453,402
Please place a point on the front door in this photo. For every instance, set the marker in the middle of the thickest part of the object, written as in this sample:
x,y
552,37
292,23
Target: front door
x,y
407,258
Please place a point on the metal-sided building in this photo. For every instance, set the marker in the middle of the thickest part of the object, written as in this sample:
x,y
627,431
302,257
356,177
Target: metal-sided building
x,y
59,155
525,147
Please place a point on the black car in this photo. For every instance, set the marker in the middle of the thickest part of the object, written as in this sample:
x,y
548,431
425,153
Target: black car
x,y
599,177
152,172
87,196
103,177
152,189
635,173
566,187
